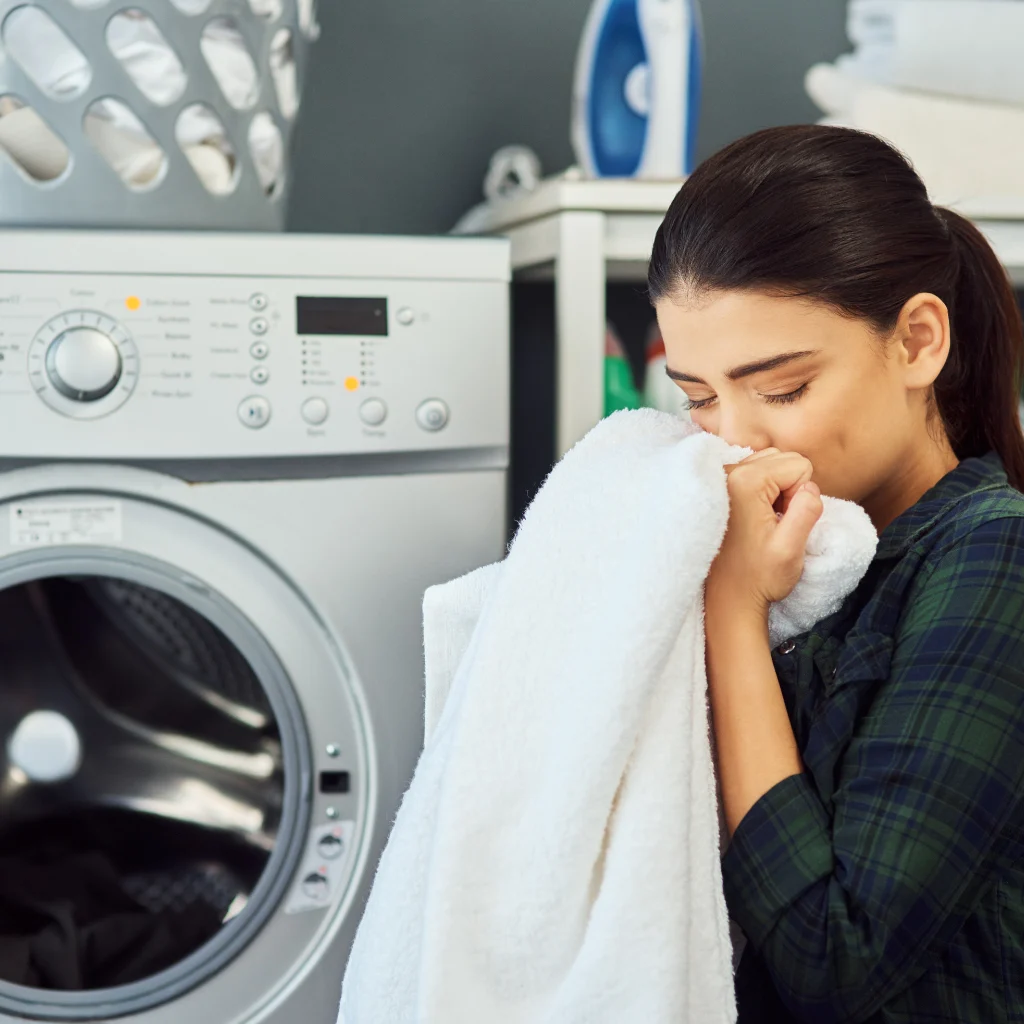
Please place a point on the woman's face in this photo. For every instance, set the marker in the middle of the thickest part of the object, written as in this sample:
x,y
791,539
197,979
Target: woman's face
x,y
764,371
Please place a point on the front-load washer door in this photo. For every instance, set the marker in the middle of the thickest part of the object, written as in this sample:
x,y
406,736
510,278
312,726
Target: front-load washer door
x,y
166,849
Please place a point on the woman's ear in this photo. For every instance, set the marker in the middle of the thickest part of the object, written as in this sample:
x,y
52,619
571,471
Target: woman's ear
x,y
923,334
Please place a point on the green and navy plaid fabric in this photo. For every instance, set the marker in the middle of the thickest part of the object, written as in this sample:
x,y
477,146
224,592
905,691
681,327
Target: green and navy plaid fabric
x,y
886,883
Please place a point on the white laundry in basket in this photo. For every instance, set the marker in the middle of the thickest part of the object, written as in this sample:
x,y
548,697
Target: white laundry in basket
x,y
137,43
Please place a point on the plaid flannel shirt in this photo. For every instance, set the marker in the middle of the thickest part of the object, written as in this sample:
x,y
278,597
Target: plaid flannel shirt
x,y
886,883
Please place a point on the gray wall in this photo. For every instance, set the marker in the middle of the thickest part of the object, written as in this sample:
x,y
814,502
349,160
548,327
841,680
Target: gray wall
x,y
407,99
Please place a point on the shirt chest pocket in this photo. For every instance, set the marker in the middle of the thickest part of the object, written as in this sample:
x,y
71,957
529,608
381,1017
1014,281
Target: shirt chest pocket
x,y
862,656
850,670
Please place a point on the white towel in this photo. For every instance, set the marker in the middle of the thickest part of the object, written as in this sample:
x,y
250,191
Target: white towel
x,y
556,857
969,155
968,48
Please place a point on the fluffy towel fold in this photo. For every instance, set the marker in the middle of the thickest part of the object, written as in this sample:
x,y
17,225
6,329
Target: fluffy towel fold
x,y
556,857
970,155
967,48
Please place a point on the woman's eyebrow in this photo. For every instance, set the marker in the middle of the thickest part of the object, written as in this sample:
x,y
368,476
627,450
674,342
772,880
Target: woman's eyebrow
x,y
748,369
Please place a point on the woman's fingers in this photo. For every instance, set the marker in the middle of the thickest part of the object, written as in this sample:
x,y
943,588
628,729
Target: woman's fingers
x,y
763,550
805,508
788,494
773,475
762,454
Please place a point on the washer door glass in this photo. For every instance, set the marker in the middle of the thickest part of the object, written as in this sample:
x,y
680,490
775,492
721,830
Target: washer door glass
x,y
142,784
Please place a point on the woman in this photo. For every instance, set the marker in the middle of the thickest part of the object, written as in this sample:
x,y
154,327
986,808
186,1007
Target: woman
x,y
817,308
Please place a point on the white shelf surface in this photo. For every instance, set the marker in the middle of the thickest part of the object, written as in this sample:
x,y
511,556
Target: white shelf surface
x,y
585,233
633,211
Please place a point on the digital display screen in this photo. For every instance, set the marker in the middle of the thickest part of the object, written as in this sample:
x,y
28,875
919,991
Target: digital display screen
x,y
324,315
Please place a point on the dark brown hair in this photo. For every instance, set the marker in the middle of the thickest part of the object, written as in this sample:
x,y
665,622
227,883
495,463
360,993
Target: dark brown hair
x,y
839,216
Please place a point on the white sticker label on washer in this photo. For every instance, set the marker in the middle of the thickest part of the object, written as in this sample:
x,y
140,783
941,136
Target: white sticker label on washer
x,y
324,867
41,523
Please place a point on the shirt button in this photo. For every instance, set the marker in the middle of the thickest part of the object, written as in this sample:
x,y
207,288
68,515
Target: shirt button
x,y
787,648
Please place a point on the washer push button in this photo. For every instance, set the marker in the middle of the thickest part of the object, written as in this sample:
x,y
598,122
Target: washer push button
x,y
315,411
254,412
432,415
373,412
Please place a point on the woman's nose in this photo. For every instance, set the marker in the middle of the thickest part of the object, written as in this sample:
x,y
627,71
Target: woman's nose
x,y
736,428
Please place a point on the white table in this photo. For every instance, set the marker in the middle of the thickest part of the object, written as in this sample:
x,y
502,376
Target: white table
x,y
587,233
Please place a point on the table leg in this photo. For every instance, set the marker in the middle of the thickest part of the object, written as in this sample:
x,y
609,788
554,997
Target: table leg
x,y
579,326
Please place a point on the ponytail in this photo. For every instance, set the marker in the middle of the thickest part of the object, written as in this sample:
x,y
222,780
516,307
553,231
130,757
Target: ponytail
x,y
978,391
839,216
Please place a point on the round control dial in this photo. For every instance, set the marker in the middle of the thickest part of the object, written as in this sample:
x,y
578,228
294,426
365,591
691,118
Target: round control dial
x,y
83,364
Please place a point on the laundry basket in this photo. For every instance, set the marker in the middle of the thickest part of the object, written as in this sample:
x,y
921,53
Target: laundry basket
x,y
149,113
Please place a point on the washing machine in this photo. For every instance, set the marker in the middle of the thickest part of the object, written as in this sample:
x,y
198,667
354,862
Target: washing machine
x,y
229,466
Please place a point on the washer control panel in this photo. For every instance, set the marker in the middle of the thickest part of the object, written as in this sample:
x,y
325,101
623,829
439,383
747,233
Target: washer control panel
x,y
178,366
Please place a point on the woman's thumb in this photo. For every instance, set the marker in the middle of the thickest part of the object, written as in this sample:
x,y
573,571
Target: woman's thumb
x,y
795,526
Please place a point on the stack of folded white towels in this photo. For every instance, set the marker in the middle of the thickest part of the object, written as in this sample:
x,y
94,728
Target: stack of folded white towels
x,y
943,80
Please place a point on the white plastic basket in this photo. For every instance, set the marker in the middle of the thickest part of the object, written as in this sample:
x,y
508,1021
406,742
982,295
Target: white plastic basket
x,y
149,113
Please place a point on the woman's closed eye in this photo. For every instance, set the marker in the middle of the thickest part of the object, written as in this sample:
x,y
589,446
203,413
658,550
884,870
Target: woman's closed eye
x,y
788,396
694,404
698,403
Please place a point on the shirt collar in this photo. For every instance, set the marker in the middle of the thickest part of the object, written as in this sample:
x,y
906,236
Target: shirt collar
x,y
969,477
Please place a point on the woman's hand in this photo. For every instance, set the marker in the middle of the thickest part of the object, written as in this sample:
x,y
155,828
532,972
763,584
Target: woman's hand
x,y
773,506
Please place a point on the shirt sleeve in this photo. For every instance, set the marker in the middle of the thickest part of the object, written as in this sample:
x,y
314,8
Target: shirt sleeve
x,y
847,905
